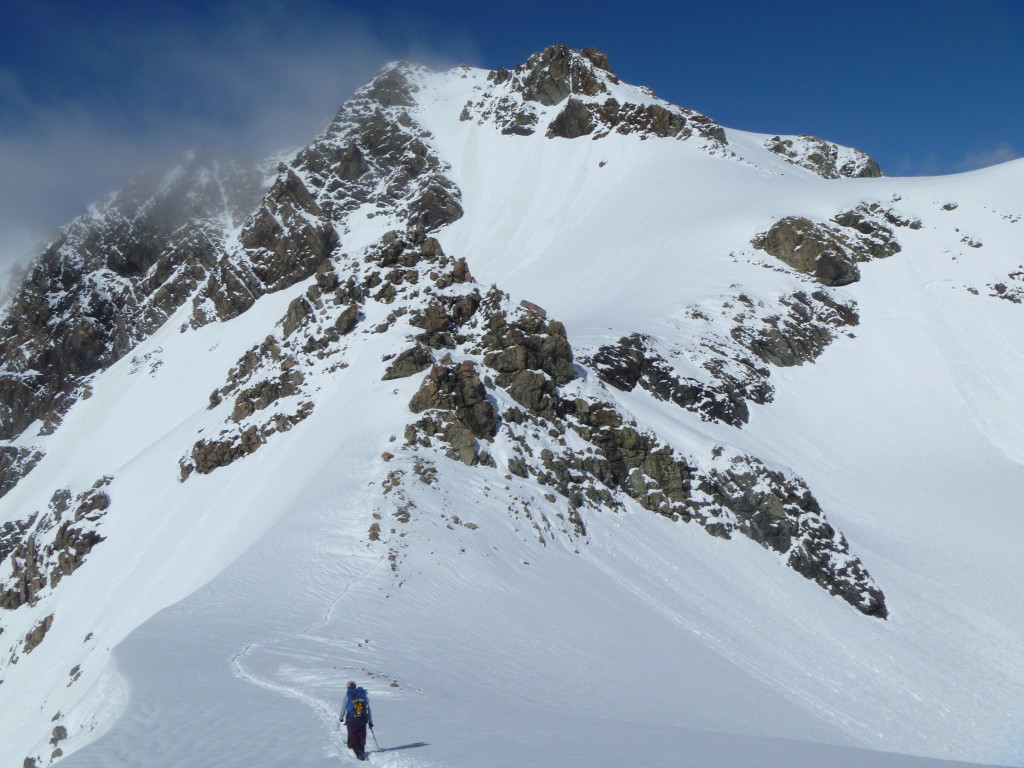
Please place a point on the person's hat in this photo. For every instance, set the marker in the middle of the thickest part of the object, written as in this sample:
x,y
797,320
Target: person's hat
x,y
351,683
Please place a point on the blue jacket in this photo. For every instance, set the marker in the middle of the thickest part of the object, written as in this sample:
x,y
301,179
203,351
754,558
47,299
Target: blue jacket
x,y
348,713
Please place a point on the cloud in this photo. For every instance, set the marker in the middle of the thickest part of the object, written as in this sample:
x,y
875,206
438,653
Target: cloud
x,y
994,154
125,91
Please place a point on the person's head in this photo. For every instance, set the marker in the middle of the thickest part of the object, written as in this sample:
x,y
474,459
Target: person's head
x,y
351,684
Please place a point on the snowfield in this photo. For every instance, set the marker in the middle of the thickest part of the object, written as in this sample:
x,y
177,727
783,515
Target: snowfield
x,y
219,620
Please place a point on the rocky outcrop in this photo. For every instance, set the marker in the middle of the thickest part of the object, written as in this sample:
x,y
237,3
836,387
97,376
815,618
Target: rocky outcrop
x,y
1012,289
595,457
733,371
15,463
52,546
799,333
111,278
460,412
580,118
372,154
781,514
36,635
813,249
580,82
828,160
409,363
550,76
634,361
268,389
830,252
208,455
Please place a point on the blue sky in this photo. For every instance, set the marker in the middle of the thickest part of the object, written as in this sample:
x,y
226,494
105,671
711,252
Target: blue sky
x,y
91,91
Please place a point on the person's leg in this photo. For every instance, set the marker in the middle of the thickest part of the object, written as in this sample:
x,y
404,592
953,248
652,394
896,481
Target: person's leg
x,y
361,741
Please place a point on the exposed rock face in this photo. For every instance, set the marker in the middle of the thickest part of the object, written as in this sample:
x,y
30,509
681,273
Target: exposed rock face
x,y
597,458
372,154
794,330
35,637
15,463
1012,289
801,333
269,383
634,361
811,248
828,160
110,279
409,363
581,82
549,77
54,547
781,514
830,253
466,413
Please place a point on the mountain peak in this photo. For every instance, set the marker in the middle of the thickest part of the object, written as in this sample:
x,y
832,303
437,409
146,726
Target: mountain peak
x,y
550,76
575,93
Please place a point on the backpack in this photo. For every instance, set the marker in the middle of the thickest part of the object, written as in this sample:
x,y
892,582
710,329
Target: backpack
x,y
357,704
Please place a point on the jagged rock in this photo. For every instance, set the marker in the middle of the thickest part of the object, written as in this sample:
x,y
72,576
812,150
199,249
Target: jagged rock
x,y
55,548
782,515
811,248
573,121
15,463
828,160
870,221
620,459
1014,292
208,455
632,361
409,363
265,393
298,311
458,389
524,340
112,277
579,79
287,238
391,88
550,76
802,334
35,637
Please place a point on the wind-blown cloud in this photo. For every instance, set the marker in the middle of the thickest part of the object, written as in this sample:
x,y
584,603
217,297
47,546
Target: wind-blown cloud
x,y
1002,152
239,79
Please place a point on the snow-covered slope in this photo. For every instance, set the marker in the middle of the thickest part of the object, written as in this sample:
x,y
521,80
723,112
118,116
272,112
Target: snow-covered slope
x,y
579,429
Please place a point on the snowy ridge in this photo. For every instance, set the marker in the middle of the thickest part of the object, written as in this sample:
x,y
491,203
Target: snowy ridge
x,y
453,411
825,158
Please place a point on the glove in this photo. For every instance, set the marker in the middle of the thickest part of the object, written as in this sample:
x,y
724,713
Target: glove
x,y
371,726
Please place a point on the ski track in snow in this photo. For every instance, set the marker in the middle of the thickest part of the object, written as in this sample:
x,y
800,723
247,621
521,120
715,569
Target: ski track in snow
x,y
324,709
321,706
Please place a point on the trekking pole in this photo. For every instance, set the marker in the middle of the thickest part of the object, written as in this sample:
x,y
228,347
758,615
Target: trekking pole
x,y
374,738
